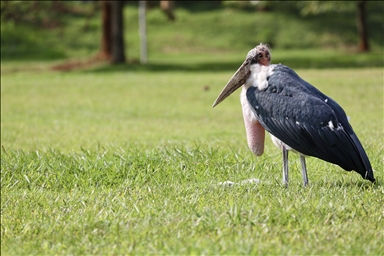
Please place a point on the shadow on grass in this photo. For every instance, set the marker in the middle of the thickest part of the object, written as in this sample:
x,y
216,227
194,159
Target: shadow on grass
x,y
361,61
20,45
171,66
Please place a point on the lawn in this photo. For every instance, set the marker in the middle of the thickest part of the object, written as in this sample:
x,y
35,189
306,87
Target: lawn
x,y
112,161
127,159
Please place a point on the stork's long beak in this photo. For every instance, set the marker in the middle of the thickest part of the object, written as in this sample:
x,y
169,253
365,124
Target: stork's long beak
x,y
237,80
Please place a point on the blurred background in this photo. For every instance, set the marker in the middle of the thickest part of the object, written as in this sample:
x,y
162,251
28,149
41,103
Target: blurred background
x,y
89,73
188,35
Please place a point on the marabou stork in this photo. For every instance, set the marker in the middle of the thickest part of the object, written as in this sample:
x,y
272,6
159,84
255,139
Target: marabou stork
x,y
297,115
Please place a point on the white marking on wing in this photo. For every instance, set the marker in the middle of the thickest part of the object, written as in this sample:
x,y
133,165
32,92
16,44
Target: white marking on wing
x,y
330,125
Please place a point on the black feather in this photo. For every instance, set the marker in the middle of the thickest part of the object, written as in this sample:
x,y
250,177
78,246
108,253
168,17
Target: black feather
x,y
308,121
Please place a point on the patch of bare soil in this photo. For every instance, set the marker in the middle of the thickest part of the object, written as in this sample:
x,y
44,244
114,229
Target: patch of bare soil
x,y
70,65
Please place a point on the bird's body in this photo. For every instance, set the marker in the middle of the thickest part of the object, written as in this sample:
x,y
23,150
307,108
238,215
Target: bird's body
x,y
297,115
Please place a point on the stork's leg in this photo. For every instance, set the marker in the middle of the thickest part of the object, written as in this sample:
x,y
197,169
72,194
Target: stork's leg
x,y
285,167
304,170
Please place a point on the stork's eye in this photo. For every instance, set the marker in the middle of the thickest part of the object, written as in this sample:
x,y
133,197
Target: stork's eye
x,y
256,58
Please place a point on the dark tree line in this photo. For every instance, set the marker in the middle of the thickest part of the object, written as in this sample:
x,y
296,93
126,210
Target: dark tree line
x,y
46,14
112,43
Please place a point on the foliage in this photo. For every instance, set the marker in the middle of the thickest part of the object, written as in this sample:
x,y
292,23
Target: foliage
x,y
301,7
47,30
319,7
41,14
215,30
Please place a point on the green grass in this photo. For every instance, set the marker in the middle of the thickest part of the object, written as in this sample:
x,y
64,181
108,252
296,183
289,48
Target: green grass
x,y
109,161
168,202
85,109
127,159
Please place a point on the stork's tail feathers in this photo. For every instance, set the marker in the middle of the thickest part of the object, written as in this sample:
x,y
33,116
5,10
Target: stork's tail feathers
x,y
369,175
365,169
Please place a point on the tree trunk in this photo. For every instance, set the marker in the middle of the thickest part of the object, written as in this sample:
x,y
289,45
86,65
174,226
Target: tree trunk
x,y
118,55
167,7
106,44
362,27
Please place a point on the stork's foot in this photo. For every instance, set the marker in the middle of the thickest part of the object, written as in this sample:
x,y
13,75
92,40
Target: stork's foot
x,y
231,183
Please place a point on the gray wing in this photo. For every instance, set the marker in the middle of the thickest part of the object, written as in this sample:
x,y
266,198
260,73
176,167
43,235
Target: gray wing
x,y
308,121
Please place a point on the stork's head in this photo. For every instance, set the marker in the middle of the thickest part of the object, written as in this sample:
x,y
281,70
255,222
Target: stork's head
x,y
260,55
